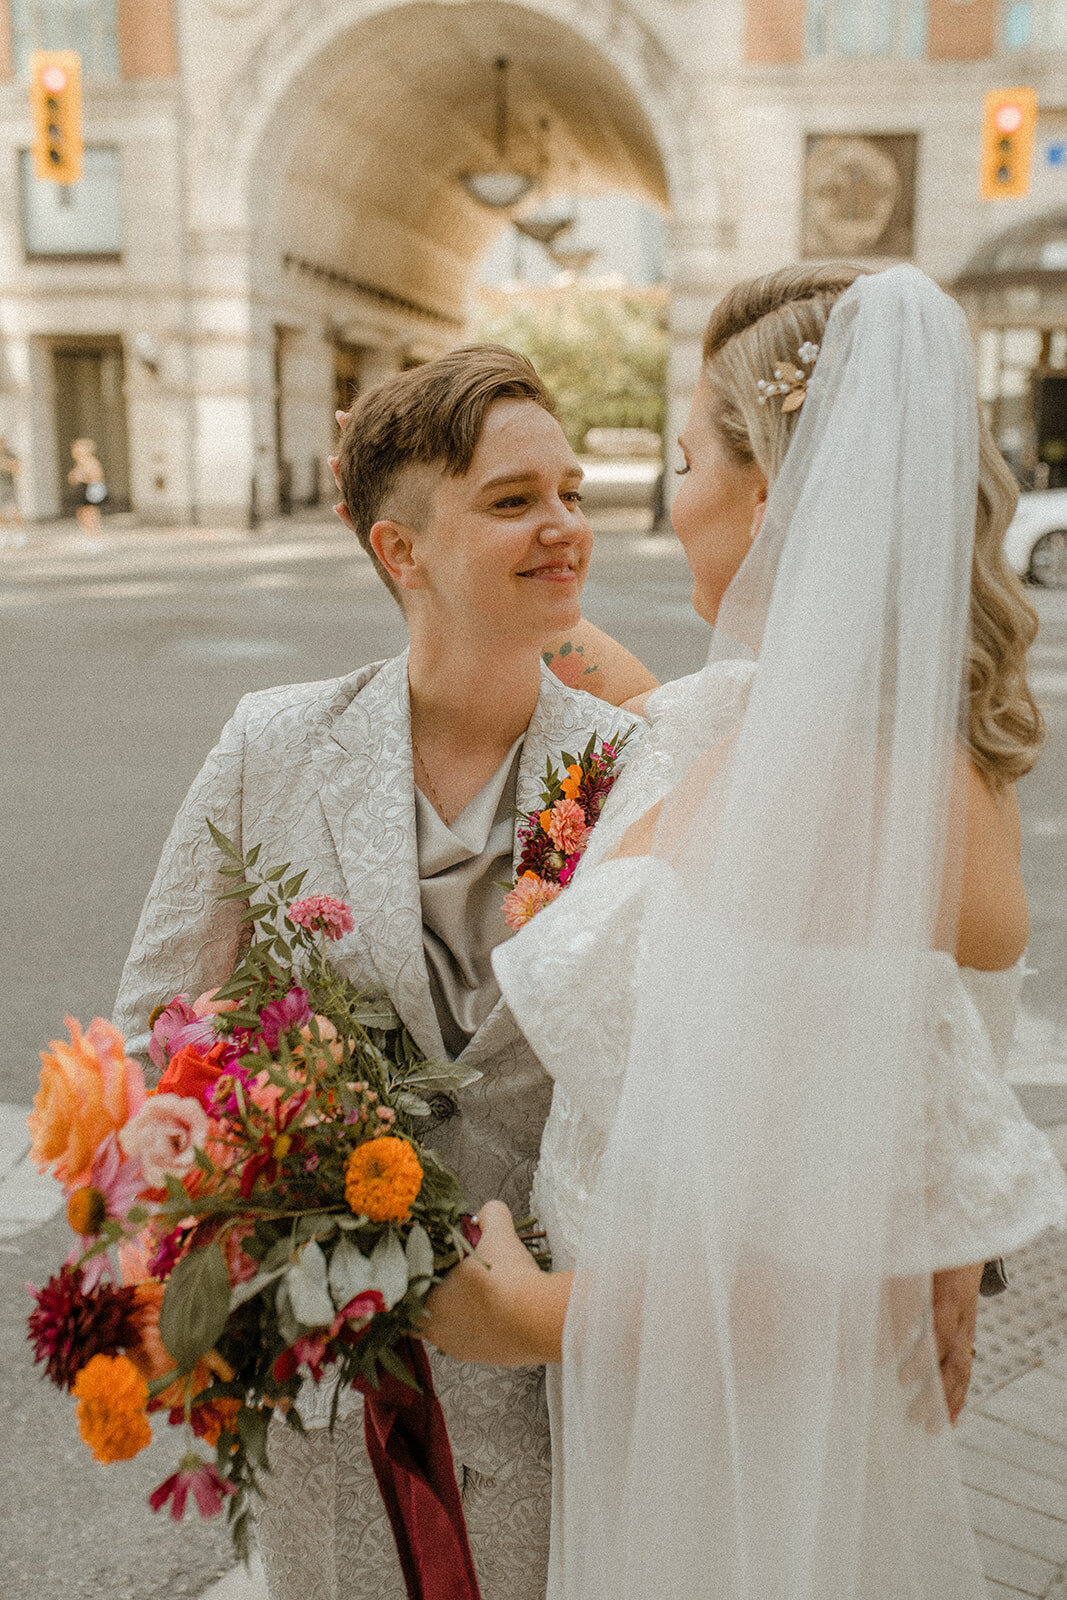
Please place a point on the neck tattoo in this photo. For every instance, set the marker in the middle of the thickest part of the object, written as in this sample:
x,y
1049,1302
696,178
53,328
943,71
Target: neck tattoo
x,y
434,796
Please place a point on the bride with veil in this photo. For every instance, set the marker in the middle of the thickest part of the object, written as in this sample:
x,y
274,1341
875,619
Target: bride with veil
x,y
777,995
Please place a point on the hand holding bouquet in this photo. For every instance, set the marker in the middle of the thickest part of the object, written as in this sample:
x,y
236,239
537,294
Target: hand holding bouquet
x,y
266,1215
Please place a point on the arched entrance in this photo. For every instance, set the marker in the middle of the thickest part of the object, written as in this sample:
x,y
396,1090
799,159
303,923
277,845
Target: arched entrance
x,y
350,240
1014,290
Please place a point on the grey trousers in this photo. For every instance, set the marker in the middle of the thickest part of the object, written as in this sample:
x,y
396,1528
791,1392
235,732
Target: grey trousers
x,y
324,1534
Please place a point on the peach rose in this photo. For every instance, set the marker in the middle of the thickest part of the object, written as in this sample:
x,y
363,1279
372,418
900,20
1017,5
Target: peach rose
x,y
205,1005
328,1039
89,1088
164,1135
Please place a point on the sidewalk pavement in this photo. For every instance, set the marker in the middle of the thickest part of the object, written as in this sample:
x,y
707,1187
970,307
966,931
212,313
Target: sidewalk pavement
x,y
1013,1437
616,502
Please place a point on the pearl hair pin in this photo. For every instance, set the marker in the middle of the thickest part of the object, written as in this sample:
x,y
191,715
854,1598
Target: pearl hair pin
x,y
789,380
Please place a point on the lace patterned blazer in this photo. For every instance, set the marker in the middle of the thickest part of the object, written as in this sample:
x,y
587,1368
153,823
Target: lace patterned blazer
x,y
320,774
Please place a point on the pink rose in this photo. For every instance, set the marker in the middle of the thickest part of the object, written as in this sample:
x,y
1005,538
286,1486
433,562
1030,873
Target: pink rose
x,y
164,1135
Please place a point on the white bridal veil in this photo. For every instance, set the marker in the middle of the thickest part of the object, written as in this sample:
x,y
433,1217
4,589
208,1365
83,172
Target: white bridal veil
x,y
751,1399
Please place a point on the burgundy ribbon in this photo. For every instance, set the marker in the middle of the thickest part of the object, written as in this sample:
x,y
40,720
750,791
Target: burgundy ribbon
x,y
407,1442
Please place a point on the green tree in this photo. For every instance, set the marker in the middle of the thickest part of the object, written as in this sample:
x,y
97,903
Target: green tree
x,y
602,353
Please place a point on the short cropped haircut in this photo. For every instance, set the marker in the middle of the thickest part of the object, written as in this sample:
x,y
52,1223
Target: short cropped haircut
x,y
431,416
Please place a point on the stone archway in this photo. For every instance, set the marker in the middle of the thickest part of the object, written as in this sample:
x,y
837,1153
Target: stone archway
x,y
324,191
1014,291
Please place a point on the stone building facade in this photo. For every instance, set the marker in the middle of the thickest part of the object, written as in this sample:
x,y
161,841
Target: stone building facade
x,y
272,212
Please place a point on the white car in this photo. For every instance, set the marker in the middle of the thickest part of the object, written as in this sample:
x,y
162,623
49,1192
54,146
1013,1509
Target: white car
x,y
1036,542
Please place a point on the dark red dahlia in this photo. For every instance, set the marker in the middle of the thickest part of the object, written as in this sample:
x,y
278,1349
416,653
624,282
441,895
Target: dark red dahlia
x,y
70,1326
594,791
534,850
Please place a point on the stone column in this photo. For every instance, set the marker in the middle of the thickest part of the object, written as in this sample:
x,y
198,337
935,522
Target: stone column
x,y
27,419
228,359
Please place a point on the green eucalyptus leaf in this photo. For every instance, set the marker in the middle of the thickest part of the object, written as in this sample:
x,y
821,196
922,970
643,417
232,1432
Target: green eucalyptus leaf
x,y
248,1291
315,1228
252,1432
289,1329
392,1363
411,1104
196,1304
309,1294
279,1254
419,1252
350,1274
390,1269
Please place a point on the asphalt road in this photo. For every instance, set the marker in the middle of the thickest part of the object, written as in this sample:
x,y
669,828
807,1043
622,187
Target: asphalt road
x,y
119,667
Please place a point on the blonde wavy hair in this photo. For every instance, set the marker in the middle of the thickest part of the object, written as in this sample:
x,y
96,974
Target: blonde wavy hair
x,y
764,322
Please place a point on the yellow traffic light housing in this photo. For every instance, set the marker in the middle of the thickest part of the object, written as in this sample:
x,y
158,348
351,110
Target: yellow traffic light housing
x,y
1008,120
56,101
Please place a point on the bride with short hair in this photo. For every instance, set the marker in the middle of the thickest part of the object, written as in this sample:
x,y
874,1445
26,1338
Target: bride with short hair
x,y
778,996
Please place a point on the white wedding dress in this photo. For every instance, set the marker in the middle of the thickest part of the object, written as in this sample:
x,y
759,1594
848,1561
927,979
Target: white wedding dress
x,y
570,978
992,1181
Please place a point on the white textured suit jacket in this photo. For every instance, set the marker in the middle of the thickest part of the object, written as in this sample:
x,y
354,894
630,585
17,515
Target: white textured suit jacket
x,y
320,775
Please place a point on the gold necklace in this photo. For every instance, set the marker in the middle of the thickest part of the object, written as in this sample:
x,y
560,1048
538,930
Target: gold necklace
x,y
434,796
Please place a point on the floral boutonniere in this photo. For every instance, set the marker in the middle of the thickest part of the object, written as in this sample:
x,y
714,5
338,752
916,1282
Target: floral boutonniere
x,y
552,839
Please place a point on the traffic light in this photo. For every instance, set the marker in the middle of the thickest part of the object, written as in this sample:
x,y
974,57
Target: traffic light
x,y
56,101
1008,119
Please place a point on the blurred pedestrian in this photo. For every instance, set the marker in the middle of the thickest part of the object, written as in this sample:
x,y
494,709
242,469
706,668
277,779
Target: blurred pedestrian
x,y
87,474
10,515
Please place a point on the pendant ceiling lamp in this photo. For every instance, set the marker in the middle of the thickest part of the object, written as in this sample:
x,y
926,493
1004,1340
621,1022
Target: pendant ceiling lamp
x,y
501,186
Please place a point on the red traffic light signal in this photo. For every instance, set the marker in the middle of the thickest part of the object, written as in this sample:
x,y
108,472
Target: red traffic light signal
x,y
56,103
1008,120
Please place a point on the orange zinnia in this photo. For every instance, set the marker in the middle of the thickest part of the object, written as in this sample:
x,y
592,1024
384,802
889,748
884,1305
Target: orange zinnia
x,y
382,1179
572,784
112,1397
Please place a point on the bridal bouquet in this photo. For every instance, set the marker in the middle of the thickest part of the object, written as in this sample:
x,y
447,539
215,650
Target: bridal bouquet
x,y
266,1215
553,839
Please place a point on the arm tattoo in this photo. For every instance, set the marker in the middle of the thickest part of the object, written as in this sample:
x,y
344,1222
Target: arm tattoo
x,y
566,649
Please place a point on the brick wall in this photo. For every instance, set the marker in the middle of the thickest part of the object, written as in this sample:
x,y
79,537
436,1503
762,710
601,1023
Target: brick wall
x,y
961,30
147,44
774,30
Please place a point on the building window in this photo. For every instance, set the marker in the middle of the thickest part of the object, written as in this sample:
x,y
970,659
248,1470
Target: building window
x,y
89,26
1036,24
77,219
867,27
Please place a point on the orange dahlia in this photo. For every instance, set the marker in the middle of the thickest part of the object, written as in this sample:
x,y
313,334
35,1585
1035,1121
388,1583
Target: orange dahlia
x,y
382,1179
112,1397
